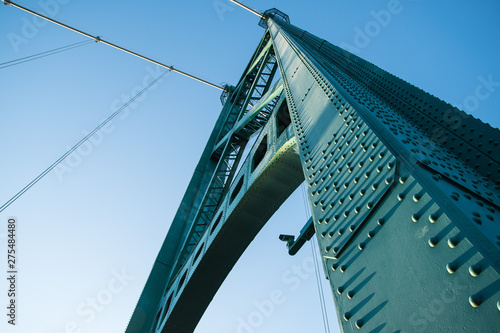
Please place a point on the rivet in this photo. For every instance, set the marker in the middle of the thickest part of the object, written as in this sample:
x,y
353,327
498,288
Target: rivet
x,y
401,196
475,300
361,245
402,179
477,220
455,196
350,294
351,196
352,227
340,290
327,249
343,268
323,234
451,267
369,205
367,174
341,231
453,241
433,217
359,323
374,186
347,316
433,241
388,180
362,191
346,213
436,177
371,234
498,305
380,221
330,234
334,266
415,217
475,270
335,250
417,197
379,168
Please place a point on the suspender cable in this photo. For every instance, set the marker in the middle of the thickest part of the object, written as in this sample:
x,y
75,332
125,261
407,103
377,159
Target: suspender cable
x,y
324,313
72,149
98,39
43,54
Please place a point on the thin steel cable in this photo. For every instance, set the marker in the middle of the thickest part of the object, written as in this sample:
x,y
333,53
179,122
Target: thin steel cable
x,y
320,288
98,39
319,285
43,54
60,159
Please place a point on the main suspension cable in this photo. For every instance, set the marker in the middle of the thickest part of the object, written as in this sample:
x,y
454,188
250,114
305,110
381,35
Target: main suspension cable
x,y
259,14
100,40
43,54
72,149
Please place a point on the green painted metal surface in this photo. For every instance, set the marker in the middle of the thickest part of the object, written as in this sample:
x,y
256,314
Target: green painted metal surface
x,y
408,227
403,188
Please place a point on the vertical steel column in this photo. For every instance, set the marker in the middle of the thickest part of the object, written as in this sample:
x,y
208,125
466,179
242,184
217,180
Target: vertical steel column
x,y
405,202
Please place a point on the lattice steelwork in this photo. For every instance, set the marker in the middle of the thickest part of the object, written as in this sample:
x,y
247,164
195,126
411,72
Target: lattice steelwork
x,y
404,191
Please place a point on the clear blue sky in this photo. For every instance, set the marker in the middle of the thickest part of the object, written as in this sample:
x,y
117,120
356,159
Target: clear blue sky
x,y
106,213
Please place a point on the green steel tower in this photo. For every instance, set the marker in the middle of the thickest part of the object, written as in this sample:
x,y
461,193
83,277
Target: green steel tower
x,y
404,191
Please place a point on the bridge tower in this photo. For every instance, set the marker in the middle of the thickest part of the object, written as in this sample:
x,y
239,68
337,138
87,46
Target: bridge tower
x,y
404,191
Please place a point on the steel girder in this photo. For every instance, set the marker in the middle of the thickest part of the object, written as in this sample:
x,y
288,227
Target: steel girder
x,y
212,178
